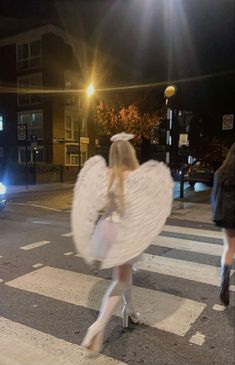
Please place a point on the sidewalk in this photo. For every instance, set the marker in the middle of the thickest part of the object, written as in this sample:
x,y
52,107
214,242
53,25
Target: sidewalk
x,y
185,209
18,189
199,212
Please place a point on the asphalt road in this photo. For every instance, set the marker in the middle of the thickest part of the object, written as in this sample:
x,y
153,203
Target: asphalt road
x,y
49,296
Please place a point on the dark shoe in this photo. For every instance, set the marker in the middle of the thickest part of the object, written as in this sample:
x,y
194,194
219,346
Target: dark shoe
x,y
224,288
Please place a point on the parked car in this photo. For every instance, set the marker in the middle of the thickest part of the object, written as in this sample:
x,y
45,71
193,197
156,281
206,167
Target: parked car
x,y
176,171
3,199
202,171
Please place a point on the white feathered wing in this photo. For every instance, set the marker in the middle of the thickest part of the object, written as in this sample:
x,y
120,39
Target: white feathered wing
x,y
148,201
89,197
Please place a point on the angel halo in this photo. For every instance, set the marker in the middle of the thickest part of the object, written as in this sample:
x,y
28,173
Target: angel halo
x,y
122,136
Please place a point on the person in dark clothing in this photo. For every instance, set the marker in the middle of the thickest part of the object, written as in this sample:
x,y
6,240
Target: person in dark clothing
x,y
223,211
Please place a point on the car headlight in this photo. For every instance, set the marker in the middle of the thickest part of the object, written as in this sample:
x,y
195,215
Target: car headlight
x,y
2,189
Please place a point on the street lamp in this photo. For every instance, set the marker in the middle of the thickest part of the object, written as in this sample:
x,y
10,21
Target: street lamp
x,y
90,90
169,92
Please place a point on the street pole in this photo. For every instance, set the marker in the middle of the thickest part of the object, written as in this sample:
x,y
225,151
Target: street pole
x,y
34,165
79,134
26,156
169,92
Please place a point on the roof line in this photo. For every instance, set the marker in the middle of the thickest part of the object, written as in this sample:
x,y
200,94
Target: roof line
x,y
34,33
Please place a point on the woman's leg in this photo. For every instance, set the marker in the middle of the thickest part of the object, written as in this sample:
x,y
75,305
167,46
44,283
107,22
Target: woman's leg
x,y
111,299
226,262
229,247
128,311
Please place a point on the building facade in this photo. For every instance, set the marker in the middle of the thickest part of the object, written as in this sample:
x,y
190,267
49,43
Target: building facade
x,y
38,71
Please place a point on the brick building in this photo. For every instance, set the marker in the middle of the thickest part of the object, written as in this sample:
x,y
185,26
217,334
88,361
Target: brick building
x,y
38,70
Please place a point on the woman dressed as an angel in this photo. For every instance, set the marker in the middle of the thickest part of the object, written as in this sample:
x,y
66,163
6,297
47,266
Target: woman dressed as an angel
x,y
117,212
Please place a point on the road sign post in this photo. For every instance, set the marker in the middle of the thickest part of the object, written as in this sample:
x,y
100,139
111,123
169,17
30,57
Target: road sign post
x,y
34,143
22,135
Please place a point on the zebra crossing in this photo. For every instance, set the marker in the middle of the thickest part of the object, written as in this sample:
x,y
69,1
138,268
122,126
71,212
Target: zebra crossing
x,y
161,310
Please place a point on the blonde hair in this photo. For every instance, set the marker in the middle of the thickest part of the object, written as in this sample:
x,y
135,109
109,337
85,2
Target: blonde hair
x,y
122,157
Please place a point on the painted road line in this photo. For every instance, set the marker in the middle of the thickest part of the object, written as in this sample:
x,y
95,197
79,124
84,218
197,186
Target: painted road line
x,y
1,257
1,280
37,266
189,245
45,207
193,231
33,347
34,245
188,270
68,253
218,307
70,234
198,339
164,311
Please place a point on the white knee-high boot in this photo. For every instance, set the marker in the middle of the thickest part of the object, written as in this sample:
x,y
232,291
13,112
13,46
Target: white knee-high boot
x,y
128,311
111,299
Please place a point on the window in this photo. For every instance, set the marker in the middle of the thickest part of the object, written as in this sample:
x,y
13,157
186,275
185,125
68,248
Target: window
x,y
71,125
28,82
72,154
29,55
68,127
34,121
39,154
1,123
74,125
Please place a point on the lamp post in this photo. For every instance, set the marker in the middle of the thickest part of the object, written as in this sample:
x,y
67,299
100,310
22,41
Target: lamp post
x,y
169,92
90,90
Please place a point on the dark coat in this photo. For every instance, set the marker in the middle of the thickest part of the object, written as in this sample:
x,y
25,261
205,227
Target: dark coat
x,y
223,198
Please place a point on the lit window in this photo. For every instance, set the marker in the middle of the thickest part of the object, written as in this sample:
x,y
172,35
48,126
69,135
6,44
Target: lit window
x,y
1,123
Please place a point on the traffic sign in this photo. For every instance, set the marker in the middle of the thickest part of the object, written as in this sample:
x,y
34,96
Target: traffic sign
x,y
227,122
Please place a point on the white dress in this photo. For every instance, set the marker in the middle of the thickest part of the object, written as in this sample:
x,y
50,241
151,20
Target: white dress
x,y
115,240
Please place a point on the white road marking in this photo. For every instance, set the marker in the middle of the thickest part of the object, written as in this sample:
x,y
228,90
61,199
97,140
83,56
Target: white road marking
x,y
1,257
45,207
17,204
37,266
33,347
193,231
198,339
34,245
218,308
232,287
68,253
69,234
164,311
188,270
189,245
1,280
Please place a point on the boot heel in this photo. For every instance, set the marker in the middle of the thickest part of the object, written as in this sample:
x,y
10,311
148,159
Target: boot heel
x,y
125,320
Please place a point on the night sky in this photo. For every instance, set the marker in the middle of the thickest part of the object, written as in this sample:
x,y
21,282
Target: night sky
x,y
149,40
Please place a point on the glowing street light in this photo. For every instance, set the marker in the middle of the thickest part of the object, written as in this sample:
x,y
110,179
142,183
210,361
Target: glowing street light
x,y
169,92
90,90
